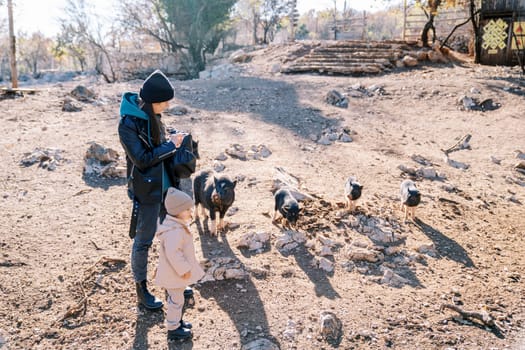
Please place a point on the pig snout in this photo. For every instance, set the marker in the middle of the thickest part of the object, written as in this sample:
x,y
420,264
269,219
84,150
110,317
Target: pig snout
x,y
355,193
291,213
414,197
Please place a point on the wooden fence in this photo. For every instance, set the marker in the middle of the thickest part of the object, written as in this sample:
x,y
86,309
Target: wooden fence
x,y
356,27
351,28
444,22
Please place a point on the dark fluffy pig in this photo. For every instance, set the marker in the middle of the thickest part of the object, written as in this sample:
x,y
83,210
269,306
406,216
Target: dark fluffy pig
x,y
352,192
410,198
214,193
287,206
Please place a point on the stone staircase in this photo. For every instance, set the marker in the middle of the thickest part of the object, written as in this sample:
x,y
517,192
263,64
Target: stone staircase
x,y
349,57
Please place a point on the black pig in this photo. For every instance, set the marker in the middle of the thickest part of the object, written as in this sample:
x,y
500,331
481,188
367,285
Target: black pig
x,y
410,198
215,193
352,192
287,206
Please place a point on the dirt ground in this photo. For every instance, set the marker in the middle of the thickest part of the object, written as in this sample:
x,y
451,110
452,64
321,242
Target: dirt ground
x,y
65,280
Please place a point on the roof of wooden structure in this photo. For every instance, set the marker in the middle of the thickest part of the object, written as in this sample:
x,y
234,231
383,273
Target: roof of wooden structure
x,y
503,6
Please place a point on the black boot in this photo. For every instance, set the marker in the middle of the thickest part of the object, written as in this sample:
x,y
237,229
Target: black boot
x,y
145,298
189,299
186,324
189,302
179,334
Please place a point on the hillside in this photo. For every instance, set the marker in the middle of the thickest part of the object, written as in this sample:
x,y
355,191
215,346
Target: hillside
x,y
65,279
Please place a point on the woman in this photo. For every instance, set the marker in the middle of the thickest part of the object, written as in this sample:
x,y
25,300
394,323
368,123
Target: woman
x,y
142,135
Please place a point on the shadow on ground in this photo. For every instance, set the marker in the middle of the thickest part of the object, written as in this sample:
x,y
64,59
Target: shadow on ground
x,y
145,320
317,276
244,307
273,102
445,246
96,181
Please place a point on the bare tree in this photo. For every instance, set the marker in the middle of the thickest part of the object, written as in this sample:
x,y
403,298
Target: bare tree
x,y
34,51
248,11
69,45
431,9
272,11
82,31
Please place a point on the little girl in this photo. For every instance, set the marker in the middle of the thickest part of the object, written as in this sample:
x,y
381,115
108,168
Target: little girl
x,y
177,267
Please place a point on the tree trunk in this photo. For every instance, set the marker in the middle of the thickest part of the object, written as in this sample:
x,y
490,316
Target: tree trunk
x,y
196,62
255,25
265,34
477,47
12,45
102,53
428,26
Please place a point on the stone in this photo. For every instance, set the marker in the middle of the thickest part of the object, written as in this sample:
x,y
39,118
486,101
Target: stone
x,y
83,94
325,264
392,279
324,140
101,153
345,138
331,328
70,106
436,57
428,249
456,164
335,98
409,61
218,166
428,173
254,241
422,55
362,254
221,157
177,110
237,151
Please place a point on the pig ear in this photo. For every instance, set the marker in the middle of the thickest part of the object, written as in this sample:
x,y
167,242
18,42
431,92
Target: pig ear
x,y
361,187
234,183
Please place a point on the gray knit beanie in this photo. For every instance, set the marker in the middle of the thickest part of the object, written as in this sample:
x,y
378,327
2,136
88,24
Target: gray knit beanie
x,y
177,201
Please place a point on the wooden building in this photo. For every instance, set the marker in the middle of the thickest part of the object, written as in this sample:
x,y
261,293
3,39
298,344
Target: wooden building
x,y
502,32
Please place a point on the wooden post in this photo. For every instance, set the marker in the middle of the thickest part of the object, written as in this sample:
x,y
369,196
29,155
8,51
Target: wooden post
x,y
335,19
364,31
12,45
404,19
293,19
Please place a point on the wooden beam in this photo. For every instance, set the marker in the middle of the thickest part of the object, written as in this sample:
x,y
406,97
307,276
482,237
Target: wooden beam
x,y
8,91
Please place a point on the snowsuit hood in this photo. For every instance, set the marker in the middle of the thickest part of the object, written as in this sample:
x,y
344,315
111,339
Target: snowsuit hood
x,y
130,106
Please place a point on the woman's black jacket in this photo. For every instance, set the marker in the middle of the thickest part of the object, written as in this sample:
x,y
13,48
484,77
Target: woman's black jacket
x,y
149,174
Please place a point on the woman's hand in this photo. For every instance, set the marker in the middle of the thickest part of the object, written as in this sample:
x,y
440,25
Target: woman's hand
x,y
177,139
187,275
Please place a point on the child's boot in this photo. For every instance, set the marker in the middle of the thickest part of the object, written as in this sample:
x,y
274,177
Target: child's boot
x,y
189,302
179,334
186,324
189,299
